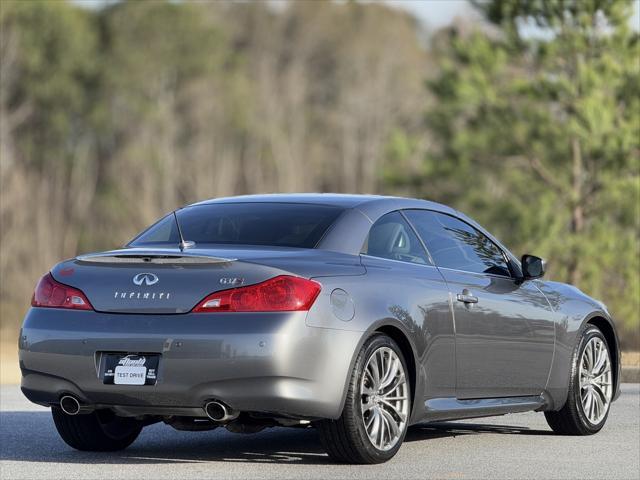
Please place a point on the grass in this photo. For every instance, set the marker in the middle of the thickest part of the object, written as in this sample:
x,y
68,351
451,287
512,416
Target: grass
x,y
631,359
10,371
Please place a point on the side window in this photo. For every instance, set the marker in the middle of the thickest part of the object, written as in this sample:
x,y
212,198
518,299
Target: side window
x,y
391,237
455,244
163,231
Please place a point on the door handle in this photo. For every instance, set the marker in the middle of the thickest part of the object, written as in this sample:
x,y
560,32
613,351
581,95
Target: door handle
x,y
467,298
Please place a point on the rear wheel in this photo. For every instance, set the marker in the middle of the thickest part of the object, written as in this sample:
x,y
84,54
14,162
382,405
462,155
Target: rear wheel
x,y
99,431
590,388
374,419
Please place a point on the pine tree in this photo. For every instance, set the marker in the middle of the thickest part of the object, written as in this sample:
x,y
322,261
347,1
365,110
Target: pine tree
x,y
536,122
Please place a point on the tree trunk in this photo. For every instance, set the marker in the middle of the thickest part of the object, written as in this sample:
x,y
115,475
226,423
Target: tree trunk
x,y
577,210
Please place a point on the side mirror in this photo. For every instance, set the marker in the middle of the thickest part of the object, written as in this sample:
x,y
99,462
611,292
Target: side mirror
x,y
532,267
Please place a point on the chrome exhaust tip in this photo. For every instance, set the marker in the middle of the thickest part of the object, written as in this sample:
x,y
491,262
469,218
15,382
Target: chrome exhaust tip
x,y
70,405
219,412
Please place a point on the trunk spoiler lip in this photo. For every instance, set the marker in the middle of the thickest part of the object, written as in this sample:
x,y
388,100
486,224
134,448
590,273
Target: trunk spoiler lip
x,y
152,255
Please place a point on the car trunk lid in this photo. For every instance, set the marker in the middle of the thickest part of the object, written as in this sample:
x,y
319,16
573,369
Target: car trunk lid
x,y
171,281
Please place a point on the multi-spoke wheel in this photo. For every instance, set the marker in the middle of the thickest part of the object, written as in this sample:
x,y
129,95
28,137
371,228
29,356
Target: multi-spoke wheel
x,y
595,380
384,398
590,388
376,412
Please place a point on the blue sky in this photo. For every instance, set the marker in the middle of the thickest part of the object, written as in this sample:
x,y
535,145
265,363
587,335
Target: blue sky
x,y
434,13
437,13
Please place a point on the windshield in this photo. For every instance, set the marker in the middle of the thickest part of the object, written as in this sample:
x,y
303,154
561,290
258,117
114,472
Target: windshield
x,y
272,224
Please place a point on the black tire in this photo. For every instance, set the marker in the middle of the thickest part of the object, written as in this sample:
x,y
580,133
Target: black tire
x,y
346,439
571,419
99,431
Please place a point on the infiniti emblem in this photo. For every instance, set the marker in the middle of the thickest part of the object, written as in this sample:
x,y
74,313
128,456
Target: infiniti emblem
x,y
146,278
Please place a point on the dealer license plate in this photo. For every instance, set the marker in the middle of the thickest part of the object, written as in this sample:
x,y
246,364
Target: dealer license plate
x,y
130,369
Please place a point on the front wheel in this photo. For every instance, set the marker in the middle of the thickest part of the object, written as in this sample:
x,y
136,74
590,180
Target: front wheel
x,y
99,431
377,408
590,388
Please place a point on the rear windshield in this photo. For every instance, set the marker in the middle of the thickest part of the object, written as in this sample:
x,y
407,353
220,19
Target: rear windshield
x,y
272,224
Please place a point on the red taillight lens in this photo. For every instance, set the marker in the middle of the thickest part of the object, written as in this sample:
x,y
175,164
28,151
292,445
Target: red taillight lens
x,y
52,294
279,294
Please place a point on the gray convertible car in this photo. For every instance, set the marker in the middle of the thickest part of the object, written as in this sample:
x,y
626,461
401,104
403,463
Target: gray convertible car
x,y
356,315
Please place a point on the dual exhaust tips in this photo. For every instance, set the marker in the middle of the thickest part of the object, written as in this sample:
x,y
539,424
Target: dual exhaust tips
x,y
216,411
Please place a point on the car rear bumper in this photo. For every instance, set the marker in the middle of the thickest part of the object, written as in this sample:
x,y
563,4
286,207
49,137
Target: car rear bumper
x,y
270,363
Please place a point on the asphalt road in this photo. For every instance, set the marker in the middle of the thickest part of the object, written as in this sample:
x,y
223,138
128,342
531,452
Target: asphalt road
x,y
512,446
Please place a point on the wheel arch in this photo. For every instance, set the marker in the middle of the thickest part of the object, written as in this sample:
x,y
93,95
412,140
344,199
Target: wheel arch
x,y
394,330
408,352
607,328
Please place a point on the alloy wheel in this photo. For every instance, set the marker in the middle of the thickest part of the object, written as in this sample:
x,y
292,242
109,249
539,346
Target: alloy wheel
x,y
595,380
384,398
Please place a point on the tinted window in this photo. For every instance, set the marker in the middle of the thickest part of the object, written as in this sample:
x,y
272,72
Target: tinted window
x,y
455,244
391,237
272,224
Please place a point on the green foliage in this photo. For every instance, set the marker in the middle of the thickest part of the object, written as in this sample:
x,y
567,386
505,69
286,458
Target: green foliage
x,y
539,128
54,69
115,115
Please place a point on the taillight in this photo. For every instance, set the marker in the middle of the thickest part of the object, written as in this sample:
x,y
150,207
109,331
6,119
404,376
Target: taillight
x,y
52,294
279,294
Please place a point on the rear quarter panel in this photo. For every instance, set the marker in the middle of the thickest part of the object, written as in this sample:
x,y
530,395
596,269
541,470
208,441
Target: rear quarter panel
x,y
410,298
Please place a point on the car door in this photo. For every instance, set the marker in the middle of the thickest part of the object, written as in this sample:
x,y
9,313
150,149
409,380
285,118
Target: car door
x,y
504,329
411,289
